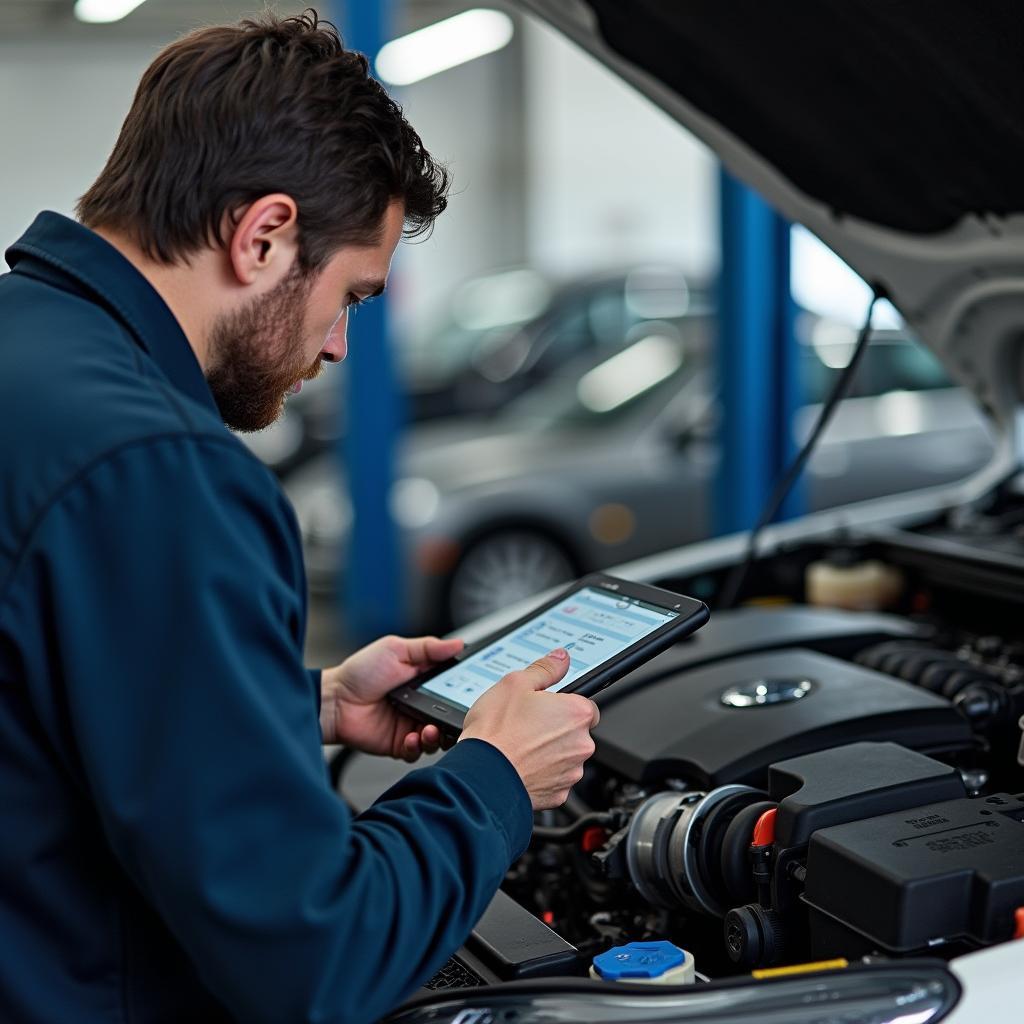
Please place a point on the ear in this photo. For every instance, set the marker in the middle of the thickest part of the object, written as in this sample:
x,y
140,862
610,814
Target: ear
x,y
265,241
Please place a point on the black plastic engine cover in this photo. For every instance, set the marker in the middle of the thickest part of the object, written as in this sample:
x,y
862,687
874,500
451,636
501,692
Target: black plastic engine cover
x,y
679,726
951,870
744,631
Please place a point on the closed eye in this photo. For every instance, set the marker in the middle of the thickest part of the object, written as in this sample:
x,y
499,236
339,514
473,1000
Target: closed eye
x,y
369,289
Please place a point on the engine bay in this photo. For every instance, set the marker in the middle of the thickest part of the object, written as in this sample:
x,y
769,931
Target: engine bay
x,y
801,782
805,783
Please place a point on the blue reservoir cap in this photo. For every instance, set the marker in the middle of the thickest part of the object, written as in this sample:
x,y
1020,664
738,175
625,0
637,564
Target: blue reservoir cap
x,y
638,960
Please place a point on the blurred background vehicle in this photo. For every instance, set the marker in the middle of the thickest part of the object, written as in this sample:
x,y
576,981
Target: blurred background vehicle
x,y
506,332
503,333
613,456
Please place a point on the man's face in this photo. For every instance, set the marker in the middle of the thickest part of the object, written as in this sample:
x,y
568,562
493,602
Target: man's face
x,y
267,349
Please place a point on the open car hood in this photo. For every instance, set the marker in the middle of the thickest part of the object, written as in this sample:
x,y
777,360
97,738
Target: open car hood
x,y
893,131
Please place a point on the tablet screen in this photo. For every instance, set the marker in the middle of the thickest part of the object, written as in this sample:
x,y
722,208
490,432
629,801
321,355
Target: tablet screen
x,y
591,624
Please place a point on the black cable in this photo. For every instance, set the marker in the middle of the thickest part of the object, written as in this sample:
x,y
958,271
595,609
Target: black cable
x,y
735,580
566,834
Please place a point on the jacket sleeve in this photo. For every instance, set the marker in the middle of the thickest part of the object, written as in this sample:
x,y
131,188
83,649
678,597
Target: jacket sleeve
x,y
179,616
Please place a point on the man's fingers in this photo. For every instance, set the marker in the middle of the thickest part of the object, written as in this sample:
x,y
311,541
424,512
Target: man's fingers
x,y
410,747
430,739
442,650
594,711
546,671
421,650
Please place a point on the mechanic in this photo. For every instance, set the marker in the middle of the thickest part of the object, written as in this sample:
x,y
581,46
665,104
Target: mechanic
x,y
172,850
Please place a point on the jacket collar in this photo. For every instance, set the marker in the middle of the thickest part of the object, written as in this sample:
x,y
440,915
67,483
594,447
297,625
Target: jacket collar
x,y
77,256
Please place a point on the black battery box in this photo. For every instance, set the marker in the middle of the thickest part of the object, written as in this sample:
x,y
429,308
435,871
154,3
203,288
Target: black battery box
x,y
949,872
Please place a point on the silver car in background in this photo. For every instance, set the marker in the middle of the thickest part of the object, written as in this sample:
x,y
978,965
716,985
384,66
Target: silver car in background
x,y
614,457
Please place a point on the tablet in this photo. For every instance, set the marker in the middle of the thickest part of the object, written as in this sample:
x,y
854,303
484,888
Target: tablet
x,y
609,627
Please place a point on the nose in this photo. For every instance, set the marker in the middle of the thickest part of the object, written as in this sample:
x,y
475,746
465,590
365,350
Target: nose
x,y
336,344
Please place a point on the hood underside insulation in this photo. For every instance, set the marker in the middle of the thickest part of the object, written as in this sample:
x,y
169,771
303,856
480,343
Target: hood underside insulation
x,y
905,113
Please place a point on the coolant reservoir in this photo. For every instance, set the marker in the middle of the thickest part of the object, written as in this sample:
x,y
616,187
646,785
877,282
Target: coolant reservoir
x,y
842,582
645,963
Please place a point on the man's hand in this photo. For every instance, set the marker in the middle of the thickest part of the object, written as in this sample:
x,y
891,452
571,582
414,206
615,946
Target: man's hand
x,y
354,709
546,736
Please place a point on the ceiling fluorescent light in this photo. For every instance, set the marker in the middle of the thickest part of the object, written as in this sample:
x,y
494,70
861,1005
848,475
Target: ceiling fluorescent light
x,y
99,11
444,45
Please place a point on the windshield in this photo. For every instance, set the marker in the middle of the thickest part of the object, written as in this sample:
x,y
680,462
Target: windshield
x,y
894,361
591,396
484,312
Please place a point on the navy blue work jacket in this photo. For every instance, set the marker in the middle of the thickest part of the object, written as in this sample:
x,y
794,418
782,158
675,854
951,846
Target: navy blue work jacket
x,y
170,849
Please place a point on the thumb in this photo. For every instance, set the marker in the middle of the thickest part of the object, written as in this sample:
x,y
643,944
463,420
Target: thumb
x,y
546,671
442,650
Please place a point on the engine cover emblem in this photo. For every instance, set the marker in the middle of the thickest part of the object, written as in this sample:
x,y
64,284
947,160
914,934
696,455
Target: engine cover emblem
x,y
763,692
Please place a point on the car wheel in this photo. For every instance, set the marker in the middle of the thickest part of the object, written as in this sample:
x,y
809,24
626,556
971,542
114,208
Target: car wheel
x,y
502,568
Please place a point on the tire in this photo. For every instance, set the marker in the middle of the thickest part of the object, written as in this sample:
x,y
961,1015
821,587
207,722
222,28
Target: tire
x,y
502,568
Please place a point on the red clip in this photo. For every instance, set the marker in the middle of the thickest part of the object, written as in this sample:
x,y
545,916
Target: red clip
x,y
593,838
764,830
1018,917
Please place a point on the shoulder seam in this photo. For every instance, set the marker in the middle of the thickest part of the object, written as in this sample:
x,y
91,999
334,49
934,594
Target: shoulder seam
x,y
68,485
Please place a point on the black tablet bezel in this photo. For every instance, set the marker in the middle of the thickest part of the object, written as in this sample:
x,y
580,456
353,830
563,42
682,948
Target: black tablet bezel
x,y
449,717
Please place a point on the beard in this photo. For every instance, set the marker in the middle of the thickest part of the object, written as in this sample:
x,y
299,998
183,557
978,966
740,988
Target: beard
x,y
256,355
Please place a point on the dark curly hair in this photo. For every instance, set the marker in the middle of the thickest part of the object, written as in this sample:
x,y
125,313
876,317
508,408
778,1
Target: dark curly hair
x,y
231,113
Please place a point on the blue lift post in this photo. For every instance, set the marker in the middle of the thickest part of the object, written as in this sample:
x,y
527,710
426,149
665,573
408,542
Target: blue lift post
x,y
758,369
372,406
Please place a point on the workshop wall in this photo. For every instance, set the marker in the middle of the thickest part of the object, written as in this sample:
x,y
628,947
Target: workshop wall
x,y
540,176
613,180
61,106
